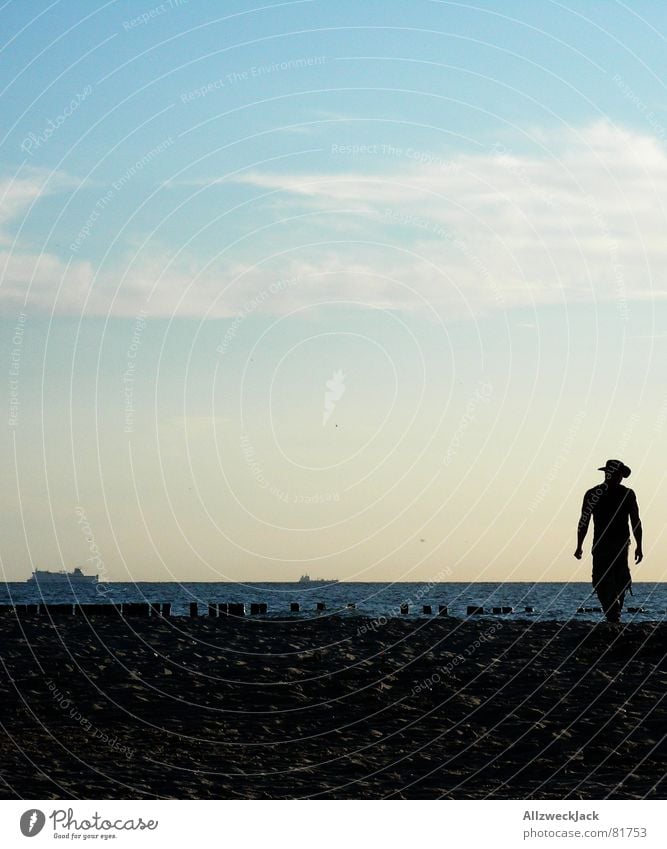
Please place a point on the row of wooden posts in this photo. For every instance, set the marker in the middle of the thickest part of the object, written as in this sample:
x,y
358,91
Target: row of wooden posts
x,y
219,609
214,609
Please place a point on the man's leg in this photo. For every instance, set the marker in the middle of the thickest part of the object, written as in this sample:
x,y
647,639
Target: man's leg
x,y
622,578
610,580
605,587
613,611
622,583
621,599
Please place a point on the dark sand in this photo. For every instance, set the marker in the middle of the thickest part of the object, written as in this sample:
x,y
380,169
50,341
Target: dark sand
x,y
331,708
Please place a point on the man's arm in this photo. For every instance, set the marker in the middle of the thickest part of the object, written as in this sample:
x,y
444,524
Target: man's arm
x,y
582,527
636,524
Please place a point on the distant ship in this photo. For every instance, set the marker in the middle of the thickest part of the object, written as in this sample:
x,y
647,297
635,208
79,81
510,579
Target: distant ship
x,y
43,576
306,579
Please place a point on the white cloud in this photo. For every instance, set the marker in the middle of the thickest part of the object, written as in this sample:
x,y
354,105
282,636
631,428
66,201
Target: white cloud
x,y
44,281
18,193
582,219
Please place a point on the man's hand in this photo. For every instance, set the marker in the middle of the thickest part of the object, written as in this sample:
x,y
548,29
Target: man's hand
x,y
639,555
579,552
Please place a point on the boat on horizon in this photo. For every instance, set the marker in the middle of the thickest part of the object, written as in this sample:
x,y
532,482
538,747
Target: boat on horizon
x,y
44,576
306,579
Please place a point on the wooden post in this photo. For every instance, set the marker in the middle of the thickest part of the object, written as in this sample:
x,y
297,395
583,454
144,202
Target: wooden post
x,y
223,609
427,609
155,608
529,610
254,608
294,607
166,609
474,610
212,608
321,606
194,610
443,610
404,609
236,608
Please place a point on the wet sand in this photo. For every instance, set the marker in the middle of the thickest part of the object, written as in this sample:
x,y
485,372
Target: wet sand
x,y
331,708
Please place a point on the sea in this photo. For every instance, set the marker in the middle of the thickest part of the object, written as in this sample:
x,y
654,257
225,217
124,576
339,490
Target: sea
x,y
545,601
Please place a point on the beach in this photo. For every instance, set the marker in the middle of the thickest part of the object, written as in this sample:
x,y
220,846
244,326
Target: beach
x,y
331,707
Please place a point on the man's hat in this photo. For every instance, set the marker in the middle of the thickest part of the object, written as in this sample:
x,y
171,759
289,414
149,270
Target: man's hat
x,y
615,466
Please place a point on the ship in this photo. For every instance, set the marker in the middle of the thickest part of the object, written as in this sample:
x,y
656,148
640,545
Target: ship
x,y
43,576
306,579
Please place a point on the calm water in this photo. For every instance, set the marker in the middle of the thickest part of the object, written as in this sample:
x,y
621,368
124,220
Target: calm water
x,y
550,600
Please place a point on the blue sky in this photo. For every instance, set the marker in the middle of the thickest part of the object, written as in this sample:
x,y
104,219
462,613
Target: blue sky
x,y
298,286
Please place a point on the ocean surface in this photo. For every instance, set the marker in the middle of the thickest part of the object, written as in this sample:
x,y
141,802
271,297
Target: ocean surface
x,y
555,601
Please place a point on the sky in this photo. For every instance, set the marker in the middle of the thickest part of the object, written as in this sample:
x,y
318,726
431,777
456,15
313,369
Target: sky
x,y
359,290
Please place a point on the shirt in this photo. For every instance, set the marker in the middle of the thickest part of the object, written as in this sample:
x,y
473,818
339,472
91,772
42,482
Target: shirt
x,y
611,507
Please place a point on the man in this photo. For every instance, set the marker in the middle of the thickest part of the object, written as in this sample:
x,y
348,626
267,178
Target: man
x,y
611,505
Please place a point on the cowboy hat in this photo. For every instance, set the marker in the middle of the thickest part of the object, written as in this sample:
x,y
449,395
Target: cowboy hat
x,y
615,466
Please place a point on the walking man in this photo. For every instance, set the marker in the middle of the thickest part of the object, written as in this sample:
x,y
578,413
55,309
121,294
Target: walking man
x,y
611,505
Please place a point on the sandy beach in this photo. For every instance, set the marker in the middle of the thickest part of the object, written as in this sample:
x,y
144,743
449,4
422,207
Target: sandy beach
x,y
331,708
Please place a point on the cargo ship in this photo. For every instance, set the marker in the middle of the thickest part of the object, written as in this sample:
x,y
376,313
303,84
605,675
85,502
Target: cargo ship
x,y
306,579
43,576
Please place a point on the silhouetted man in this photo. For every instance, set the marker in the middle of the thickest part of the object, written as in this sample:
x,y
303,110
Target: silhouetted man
x,y
611,505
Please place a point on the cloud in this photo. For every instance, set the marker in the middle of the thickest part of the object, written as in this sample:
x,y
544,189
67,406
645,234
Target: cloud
x,y
18,193
581,221
43,281
147,283
579,218
35,278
